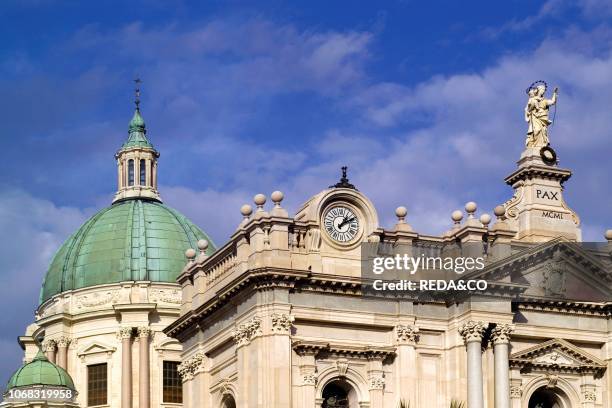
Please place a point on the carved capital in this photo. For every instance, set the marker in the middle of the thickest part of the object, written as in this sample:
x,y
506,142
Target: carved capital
x,y
62,341
309,379
589,395
190,367
516,392
281,323
376,383
245,332
472,331
49,345
125,333
407,334
501,333
144,331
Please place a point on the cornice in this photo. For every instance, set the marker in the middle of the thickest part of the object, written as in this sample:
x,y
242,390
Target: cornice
x,y
541,171
345,350
566,307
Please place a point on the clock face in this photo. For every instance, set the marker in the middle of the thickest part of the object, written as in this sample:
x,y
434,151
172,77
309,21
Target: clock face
x,y
341,224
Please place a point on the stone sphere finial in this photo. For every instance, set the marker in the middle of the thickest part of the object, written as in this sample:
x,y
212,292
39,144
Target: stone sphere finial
x,y
608,235
485,219
499,211
470,208
277,197
190,254
246,211
457,216
259,201
400,213
202,245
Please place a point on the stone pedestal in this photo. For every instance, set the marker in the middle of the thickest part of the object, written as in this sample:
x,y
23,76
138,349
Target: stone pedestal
x,y
537,210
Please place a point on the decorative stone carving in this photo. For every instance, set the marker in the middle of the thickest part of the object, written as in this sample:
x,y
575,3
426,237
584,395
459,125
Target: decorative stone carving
x,y
589,395
309,379
281,323
97,299
377,382
407,334
551,381
245,332
554,277
342,366
124,333
144,331
165,296
62,341
190,367
225,388
472,331
49,345
516,392
554,358
501,333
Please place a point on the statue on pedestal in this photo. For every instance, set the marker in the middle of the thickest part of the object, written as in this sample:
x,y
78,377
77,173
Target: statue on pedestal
x,y
536,114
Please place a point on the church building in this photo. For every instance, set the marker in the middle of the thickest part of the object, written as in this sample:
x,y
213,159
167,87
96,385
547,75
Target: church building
x,y
111,290
139,309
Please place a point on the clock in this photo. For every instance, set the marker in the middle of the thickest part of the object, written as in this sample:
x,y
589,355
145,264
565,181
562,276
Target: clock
x,y
341,224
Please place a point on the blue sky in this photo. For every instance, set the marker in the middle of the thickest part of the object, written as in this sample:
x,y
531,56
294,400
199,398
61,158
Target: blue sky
x,y
422,100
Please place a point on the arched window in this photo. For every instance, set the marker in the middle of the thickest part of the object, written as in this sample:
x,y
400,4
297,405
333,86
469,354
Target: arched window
x,y
130,172
143,173
339,394
228,402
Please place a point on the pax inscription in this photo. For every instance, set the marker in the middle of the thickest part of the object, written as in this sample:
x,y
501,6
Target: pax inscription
x,y
549,195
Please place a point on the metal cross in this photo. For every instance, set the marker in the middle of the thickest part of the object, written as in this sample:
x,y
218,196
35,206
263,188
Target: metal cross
x,y
137,93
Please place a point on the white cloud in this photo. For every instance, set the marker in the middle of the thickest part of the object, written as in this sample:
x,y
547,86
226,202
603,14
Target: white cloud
x,y
33,230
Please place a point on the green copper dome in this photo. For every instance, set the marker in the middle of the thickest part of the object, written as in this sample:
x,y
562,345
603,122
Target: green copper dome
x,y
40,371
131,240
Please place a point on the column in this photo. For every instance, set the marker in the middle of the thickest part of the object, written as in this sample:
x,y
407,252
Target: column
x,y
376,381
144,388
184,370
49,349
277,347
125,334
407,336
62,352
500,337
148,182
472,333
308,376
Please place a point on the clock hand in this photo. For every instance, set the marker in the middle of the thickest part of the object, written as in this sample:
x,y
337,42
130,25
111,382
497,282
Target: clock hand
x,y
346,220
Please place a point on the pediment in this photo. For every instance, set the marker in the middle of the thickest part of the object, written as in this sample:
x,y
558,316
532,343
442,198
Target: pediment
x,y
556,270
95,348
557,355
168,344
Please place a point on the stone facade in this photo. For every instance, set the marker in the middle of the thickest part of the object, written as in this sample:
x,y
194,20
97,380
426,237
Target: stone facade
x,y
117,324
277,316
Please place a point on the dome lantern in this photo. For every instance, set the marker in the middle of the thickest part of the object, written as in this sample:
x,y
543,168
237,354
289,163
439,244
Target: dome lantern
x,y
137,161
